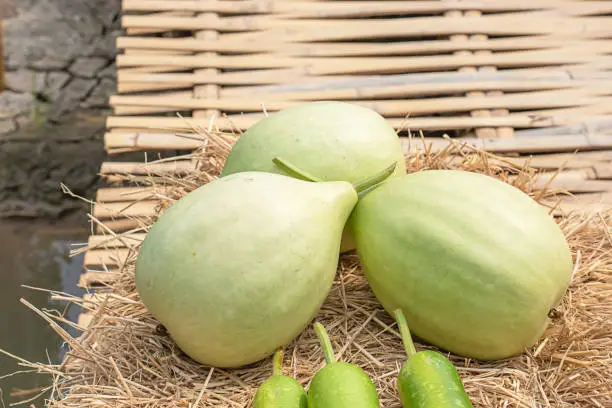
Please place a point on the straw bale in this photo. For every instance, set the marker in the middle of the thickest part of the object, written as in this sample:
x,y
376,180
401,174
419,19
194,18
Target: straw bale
x,y
125,358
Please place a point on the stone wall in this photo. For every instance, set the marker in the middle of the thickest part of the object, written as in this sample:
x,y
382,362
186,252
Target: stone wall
x,y
59,73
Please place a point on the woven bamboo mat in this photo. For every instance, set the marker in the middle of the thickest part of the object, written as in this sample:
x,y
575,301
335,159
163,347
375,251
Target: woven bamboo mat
x,y
531,80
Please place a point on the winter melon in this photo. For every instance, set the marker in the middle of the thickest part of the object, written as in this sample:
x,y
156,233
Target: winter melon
x,y
474,263
238,267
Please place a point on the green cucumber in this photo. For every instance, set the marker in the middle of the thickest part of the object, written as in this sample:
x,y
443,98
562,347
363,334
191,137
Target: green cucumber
x,y
339,384
427,378
280,391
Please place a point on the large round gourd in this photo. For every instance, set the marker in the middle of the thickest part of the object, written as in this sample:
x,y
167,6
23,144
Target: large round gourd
x,y
474,263
333,141
238,267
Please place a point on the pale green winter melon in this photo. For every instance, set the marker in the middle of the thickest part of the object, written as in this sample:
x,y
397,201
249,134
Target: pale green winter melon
x,y
474,263
329,140
333,141
239,266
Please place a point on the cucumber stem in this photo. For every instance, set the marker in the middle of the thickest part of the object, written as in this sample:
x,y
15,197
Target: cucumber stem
x,y
326,345
277,362
373,181
405,333
293,171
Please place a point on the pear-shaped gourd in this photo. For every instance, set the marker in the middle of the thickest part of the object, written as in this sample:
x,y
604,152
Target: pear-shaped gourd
x,y
280,391
474,263
238,267
330,140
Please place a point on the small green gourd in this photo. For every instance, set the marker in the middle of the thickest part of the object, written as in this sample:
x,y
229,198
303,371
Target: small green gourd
x,y
280,391
339,384
428,379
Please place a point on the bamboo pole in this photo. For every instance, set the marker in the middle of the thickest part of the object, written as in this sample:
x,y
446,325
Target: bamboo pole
x,y
524,100
356,65
345,9
125,209
177,167
336,9
259,28
280,47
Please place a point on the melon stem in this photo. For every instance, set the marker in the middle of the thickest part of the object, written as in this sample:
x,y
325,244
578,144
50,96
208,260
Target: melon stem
x,y
277,362
293,171
369,183
405,333
326,345
362,186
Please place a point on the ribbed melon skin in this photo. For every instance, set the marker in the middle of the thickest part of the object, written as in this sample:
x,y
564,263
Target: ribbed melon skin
x,y
474,263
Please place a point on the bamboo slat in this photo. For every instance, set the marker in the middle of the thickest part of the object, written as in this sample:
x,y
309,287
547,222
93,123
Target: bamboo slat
x,y
106,258
108,241
345,9
176,167
95,278
528,100
115,194
361,65
280,47
334,30
529,119
125,209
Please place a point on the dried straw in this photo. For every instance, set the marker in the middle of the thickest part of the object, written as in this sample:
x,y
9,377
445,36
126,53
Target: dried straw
x,y
125,358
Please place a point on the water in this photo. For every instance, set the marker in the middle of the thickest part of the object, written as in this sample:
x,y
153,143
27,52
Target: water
x,y
34,254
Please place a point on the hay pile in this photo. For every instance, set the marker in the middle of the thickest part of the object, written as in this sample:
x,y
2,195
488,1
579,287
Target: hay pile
x,y
124,358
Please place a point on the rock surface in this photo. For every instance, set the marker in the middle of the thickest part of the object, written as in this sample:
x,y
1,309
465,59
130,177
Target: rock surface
x,y
60,72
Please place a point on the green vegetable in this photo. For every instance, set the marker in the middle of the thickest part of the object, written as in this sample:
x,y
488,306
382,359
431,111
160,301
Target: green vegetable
x,y
427,378
474,263
339,384
332,141
280,391
238,267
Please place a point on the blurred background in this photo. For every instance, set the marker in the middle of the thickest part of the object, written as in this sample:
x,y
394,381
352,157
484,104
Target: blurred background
x,y
58,75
